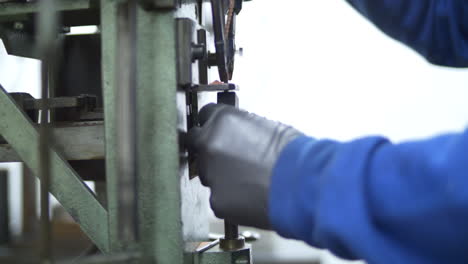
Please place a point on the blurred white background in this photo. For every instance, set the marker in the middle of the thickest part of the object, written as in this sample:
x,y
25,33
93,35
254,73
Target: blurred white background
x,y
321,67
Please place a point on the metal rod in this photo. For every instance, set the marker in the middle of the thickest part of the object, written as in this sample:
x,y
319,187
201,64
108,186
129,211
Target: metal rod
x,y
47,35
44,163
4,209
29,230
231,231
125,107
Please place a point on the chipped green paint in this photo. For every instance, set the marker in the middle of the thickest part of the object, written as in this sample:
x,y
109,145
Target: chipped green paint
x,y
158,160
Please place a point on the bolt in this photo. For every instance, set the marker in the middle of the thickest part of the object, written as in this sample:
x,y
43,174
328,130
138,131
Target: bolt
x,y
198,52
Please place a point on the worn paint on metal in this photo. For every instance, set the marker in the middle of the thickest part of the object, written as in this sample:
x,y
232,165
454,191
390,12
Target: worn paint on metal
x,y
158,160
108,67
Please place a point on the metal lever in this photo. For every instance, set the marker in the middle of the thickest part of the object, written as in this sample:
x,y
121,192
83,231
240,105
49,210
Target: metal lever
x,y
232,240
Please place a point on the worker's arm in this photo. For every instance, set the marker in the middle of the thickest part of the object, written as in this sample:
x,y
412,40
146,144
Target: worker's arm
x,y
366,199
371,199
437,29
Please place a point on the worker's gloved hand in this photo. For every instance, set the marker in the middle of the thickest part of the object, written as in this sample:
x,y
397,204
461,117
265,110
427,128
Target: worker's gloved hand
x,y
236,152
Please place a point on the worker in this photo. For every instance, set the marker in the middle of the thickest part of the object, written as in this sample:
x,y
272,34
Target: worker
x,y
365,199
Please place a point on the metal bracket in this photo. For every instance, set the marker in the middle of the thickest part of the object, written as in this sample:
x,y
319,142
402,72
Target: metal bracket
x,y
218,87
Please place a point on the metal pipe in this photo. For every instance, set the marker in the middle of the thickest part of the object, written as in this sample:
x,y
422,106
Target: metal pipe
x,y
231,240
29,208
47,35
44,163
231,231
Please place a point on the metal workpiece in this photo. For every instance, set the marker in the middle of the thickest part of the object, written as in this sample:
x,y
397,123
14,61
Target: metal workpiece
x,y
82,102
69,108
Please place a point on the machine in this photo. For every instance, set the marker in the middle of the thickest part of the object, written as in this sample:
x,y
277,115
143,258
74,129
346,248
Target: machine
x,y
115,106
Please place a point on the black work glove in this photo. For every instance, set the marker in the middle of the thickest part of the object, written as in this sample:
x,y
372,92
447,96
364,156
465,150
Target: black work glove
x,y
236,152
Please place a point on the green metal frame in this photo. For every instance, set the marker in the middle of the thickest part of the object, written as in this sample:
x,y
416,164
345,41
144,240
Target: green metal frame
x,y
159,190
159,182
108,43
158,161
66,185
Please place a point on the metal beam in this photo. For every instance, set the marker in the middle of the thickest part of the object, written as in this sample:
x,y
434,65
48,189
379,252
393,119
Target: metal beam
x,y
75,141
108,46
158,153
66,185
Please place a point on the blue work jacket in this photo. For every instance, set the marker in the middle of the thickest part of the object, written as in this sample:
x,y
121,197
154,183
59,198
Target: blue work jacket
x,y
369,198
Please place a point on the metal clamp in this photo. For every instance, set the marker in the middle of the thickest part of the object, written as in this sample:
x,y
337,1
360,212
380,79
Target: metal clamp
x,y
219,87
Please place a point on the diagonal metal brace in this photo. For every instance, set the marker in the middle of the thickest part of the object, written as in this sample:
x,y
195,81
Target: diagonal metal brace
x,y
66,185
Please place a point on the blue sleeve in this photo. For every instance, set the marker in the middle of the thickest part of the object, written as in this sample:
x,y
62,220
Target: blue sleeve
x,y
374,200
437,29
